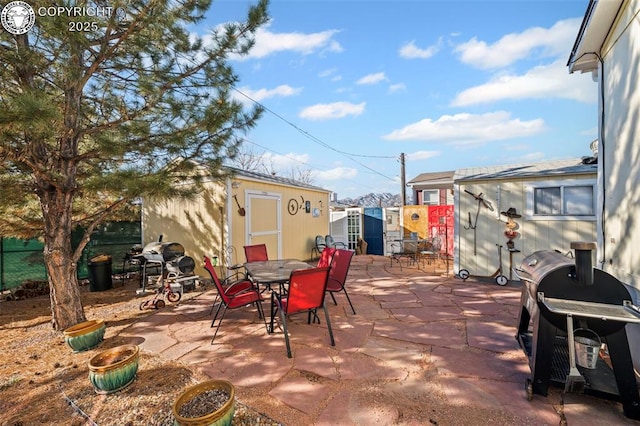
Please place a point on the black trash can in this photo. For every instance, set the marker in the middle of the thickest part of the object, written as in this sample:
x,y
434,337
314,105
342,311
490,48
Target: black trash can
x,y
100,273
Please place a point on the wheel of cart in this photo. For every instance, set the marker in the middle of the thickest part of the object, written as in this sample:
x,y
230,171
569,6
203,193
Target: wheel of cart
x,y
157,302
152,304
502,280
173,296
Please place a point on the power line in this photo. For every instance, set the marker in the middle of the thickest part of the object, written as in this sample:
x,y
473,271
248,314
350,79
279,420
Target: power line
x,y
302,162
321,142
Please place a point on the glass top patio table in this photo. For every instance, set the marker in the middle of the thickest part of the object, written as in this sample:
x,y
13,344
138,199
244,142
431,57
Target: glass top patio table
x,y
271,272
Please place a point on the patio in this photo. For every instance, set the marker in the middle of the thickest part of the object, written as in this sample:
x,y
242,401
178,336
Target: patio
x,y
423,348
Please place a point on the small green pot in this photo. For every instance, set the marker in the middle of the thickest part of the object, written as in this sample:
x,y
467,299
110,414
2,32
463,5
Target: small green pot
x,y
85,335
114,369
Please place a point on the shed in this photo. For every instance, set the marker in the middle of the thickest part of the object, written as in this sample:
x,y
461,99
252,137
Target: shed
x,y
246,208
539,206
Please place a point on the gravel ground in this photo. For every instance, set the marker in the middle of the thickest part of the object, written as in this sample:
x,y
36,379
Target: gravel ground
x,y
43,382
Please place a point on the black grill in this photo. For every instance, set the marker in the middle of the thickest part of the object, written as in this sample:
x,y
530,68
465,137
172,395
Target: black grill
x,y
169,258
559,292
162,252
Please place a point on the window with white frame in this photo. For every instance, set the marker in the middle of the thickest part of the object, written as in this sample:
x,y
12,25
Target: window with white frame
x,y
561,200
430,197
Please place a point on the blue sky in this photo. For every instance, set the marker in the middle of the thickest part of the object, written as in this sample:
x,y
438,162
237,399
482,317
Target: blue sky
x,y
349,85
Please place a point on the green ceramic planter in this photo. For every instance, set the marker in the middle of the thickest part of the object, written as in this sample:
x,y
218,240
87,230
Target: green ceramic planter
x,y
221,417
114,369
85,335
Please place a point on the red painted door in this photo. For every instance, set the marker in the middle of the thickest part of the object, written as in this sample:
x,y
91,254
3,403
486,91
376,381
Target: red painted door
x,y
441,225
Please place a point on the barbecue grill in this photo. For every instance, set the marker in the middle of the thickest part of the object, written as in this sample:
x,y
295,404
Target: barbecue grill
x,y
560,294
170,258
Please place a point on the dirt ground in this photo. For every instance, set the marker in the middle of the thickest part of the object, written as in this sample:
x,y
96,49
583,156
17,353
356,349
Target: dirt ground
x,y
43,382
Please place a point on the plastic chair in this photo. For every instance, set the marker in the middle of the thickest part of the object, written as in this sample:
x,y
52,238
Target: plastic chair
x,y
233,298
236,279
332,243
256,253
319,246
326,257
338,275
306,293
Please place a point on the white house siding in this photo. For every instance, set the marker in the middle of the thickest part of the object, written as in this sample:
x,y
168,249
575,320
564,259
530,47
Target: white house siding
x,y
620,147
502,194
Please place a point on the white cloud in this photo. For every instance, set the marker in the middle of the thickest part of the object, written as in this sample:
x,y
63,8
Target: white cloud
x,y
422,155
532,42
267,43
337,173
400,87
468,128
541,82
372,78
327,73
285,162
331,74
411,51
259,95
332,111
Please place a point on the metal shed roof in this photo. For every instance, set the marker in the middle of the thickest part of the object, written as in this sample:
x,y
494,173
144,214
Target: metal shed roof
x,y
548,168
436,179
274,179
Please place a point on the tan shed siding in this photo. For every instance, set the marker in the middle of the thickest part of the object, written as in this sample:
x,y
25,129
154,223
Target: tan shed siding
x,y
195,223
533,234
298,231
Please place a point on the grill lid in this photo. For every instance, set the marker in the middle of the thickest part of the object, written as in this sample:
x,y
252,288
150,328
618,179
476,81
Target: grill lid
x,y
541,263
164,252
182,265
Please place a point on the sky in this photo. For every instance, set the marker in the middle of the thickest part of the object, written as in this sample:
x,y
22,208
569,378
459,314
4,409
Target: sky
x,y
350,85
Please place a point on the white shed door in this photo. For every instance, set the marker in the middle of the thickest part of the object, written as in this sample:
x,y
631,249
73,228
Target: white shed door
x,y
264,221
338,226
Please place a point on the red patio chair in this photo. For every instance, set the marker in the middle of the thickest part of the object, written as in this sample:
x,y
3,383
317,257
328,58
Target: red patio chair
x,y
232,298
256,253
338,276
325,257
234,283
306,293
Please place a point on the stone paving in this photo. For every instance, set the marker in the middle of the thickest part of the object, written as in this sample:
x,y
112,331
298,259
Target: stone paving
x,y
424,348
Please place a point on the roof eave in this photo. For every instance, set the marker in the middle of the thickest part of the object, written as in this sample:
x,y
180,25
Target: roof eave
x,y
595,27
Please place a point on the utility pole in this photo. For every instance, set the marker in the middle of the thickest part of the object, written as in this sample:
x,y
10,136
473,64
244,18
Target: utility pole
x,y
403,190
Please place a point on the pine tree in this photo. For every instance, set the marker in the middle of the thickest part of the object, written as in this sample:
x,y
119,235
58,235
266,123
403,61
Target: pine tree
x,y
127,107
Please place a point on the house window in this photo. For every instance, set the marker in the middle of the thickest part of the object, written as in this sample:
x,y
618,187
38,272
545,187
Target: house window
x,y
430,197
561,200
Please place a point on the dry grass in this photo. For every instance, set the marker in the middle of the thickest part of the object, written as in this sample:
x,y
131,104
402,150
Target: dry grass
x,y
43,382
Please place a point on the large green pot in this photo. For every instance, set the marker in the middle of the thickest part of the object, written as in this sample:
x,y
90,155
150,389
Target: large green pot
x,y
221,417
85,335
114,369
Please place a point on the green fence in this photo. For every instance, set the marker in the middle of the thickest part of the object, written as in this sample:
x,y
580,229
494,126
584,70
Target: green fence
x,y
22,260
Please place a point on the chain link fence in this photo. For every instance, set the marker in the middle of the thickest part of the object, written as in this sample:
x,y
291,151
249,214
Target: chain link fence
x,y
21,261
